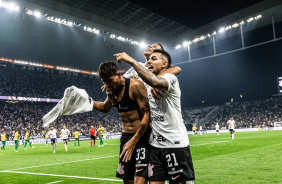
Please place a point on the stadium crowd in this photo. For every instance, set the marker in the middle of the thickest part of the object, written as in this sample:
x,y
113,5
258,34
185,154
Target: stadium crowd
x,y
23,115
250,114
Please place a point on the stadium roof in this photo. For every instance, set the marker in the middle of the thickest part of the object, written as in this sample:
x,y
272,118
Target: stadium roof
x,y
121,15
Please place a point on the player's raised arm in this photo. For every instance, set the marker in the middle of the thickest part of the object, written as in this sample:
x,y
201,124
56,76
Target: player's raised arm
x,y
146,75
104,107
139,91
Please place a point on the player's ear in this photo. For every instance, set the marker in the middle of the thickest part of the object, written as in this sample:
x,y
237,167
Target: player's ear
x,y
165,64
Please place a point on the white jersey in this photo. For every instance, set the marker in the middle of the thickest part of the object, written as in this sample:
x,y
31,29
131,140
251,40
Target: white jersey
x,y
231,124
168,129
201,128
131,73
52,134
216,127
65,133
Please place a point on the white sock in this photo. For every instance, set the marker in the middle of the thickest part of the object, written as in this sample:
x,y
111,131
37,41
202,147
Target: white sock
x,y
232,136
54,147
66,147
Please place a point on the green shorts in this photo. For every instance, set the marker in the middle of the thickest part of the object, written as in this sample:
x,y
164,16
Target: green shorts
x,y
101,136
16,141
27,140
77,139
3,142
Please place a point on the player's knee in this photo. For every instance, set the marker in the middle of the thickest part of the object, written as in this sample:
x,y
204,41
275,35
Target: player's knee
x,y
140,180
128,181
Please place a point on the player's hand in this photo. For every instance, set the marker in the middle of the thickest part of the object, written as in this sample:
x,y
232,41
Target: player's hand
x,y
124,57
103,88
157,93
127,151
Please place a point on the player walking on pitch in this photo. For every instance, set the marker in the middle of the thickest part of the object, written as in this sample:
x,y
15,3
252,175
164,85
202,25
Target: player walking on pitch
x,y
101,135
170,157
3,139
231,125
52,134
27,139
92,135
16,139
217,129
65,135
76,138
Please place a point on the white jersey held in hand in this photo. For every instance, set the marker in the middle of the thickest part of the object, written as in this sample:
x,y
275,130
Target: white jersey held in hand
x,y
52,134
168,129
231,124
75,101
65,133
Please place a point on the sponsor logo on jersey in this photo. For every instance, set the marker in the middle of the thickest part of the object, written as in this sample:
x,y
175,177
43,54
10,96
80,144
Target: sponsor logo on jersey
x,y
138,170
150,170
120,169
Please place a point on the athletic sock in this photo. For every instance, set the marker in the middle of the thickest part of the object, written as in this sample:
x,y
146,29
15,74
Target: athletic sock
x,y
91,143
25,145
30,145
78,143
75,143
66,147
232,136
54,147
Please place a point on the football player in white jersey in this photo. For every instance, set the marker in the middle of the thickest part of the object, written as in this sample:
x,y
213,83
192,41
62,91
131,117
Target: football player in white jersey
x,y
52,134
170,157
64,136
217,129
231,125
201,130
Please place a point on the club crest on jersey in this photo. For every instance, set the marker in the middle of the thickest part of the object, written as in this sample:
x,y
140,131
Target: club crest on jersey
x,y
120,169
150,170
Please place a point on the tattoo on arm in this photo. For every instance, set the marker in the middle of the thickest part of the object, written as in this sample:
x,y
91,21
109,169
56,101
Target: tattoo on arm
x,y
148,77
142,95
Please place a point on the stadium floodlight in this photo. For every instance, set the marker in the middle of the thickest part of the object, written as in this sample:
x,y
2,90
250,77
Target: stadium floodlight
x,y
178,46
35,64
37,14
62,68
185,44
142,44
96,31
258,17
228,27
235,25
221,30
21,62
196,40
242,22
74,70
202,38
11,6
250,19
112,36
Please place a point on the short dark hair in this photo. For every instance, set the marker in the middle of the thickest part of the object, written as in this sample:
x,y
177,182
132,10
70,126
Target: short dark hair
x,y
161,46
108,69
165,54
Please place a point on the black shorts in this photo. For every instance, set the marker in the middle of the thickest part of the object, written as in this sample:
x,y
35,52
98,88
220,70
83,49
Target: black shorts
x,y
173,164
93,137
53,140
231,130
138,164
217,130
65,140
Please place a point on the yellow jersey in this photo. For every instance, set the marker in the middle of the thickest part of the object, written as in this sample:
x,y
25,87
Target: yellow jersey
x,y
101,131
16,136
26,135
75,134
46,136
3,137
194,128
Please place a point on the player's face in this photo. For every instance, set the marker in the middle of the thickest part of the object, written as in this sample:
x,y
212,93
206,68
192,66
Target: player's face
x,y
112,83
156,63
151,48
231,119
52,128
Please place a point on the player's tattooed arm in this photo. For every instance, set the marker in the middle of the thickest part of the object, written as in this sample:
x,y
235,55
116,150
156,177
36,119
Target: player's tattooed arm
x,y
147,76
139,92
175,70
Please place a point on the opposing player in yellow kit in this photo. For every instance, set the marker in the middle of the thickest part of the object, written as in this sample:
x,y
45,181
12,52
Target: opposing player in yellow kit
x,y
16,139
46,137
76,137
194,128
101,134
3,139
27,140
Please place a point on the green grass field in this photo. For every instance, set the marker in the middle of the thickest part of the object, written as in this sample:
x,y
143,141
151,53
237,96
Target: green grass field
x,y
253,157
